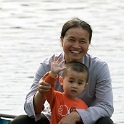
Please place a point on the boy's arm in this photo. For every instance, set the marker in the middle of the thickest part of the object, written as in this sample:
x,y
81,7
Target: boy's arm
x,y
49,95
50,79
56,64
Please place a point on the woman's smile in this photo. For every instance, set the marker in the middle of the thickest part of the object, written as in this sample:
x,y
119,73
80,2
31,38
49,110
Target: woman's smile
x,y
75,52
75,44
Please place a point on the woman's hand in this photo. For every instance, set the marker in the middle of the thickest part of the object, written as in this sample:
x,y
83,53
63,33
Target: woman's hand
x,y
43,86
38,97
71,118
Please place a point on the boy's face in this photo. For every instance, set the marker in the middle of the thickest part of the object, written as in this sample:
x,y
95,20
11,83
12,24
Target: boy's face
x,y
74,83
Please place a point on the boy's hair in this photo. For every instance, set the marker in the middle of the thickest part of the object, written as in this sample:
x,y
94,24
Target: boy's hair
x,y
76,66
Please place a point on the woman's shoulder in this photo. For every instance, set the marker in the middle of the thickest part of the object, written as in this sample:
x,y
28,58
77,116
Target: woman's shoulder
x,y
93,61
97,67
92,58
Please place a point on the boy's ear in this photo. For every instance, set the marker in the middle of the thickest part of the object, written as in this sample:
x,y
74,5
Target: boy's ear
x,y
60,80
86,85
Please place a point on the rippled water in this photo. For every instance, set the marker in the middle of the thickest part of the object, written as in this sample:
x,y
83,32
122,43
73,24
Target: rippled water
x,y
30,31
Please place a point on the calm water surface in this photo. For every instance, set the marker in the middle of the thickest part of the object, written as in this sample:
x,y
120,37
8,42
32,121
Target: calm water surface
x,y
29,32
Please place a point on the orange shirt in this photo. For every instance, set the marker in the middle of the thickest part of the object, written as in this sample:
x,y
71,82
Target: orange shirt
x,y
60,104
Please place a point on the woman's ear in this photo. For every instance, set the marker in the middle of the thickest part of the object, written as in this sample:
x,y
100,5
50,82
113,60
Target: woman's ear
x,y
60,80
61,40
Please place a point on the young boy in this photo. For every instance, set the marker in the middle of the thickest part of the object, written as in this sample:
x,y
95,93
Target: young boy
x,y
74,80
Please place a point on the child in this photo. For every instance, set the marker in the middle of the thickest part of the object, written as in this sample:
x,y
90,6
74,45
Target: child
x,y
74,80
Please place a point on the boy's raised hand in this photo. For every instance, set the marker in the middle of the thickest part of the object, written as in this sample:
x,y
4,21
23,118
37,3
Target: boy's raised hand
x,y
56,64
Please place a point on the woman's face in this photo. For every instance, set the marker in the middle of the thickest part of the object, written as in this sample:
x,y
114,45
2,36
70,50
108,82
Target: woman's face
x,y
75,44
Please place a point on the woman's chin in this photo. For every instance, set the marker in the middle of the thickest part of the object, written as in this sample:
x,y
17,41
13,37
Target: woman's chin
x,y
76,59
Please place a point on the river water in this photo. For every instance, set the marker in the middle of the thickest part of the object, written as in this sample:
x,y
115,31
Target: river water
x,y
30,31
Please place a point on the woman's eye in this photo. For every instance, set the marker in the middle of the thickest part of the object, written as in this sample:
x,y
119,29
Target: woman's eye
x,y
83,41
71,39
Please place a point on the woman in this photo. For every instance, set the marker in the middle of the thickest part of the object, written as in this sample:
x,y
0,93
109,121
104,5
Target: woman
x,y
75,40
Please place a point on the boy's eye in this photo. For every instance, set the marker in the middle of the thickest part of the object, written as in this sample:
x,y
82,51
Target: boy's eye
x,y
71,81
80,83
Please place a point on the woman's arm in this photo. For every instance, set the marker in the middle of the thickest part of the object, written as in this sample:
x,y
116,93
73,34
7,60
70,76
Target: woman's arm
x,y
29,101
39,96
38,102
102,105
71,118
29,106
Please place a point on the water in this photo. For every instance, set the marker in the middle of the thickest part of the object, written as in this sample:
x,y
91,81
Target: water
x,y
30,31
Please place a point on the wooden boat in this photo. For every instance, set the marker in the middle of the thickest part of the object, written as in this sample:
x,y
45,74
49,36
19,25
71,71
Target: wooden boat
x,y
6,118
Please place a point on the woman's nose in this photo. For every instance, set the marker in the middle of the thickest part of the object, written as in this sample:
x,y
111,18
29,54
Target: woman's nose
x,y
76,45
